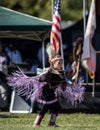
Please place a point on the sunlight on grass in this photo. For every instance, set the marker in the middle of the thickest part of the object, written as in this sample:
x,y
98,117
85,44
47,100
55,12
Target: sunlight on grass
x,y
74,121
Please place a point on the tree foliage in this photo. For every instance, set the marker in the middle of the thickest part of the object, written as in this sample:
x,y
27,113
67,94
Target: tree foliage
x,y
70,9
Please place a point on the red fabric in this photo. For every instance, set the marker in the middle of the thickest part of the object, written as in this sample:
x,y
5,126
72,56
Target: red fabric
x,y
56,31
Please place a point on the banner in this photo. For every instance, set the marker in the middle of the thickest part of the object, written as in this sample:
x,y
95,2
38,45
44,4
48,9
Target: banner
x,y
89,54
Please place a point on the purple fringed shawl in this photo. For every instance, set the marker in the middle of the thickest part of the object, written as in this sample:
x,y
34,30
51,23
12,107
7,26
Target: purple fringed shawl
x,y
31,87
72,93
27,86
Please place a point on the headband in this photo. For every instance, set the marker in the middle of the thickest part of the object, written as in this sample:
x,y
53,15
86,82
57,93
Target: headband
x,y
56,58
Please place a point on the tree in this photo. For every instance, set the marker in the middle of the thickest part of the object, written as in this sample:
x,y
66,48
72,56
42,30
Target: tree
x,y
70,9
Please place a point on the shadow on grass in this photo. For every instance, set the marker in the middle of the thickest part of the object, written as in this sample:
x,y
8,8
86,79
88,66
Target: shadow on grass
x,y
87,111
8,115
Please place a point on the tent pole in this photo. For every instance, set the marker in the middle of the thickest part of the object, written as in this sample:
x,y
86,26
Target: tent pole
x,y
43,55
43,49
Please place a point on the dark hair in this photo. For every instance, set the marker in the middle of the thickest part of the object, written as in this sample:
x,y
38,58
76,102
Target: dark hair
x,y
77,47
78,41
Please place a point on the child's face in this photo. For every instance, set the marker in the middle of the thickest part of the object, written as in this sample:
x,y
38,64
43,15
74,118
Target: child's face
x,y
58,64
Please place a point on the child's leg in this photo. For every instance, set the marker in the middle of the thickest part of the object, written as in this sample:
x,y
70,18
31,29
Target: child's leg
x,y
40,116
38,120
52,121
55,108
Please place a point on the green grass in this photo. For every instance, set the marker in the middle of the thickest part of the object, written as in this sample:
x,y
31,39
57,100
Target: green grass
x,y
73,121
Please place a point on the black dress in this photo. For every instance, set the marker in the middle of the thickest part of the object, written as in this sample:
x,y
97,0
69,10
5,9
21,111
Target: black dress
x,y
49,93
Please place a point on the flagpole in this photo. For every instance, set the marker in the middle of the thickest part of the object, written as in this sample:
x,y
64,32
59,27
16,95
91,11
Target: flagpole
x,y
62,53
61,49
84,18
52,6
84,15
93,88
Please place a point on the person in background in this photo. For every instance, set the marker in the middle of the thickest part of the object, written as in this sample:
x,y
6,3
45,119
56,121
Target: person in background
x,y
68,65
76,64
13,54
40,57
3,85
3,59
34,66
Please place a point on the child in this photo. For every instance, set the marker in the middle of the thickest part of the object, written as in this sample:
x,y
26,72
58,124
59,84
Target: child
x,y
45,88
54,77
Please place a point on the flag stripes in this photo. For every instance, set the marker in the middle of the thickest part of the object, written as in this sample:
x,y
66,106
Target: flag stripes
x,y
56,31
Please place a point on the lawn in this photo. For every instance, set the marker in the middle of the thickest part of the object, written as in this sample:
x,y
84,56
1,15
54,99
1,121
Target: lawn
x,y
71,121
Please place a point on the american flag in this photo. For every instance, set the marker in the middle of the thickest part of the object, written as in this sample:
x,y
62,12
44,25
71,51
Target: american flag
x,y
89,53
55,31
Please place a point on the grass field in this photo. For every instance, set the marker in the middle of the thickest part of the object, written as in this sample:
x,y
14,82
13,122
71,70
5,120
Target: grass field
x,y
71,121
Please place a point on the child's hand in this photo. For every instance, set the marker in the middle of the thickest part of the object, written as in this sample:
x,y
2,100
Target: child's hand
x,y
74,84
